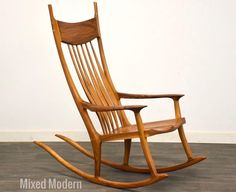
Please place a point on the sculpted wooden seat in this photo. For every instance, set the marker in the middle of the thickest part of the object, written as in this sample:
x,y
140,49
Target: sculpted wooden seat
x,y
150,128
81,53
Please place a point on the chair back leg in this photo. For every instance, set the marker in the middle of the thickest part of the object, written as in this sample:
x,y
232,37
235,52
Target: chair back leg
x,y
127,147
97,146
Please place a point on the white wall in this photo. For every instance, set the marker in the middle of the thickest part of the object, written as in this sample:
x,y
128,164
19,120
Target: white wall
x,y
152,46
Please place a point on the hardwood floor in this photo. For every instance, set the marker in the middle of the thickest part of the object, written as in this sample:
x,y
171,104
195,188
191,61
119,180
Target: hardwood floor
x,y
26,160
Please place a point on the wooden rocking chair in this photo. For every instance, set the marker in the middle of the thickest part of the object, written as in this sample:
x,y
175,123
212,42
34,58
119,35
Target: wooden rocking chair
x,y
91,68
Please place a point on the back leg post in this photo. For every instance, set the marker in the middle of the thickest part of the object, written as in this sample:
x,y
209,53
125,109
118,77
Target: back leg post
x,y
97,158
127,147
183,139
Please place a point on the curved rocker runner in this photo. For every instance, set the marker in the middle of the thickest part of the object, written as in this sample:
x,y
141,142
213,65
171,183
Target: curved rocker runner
x,y
100,180
130,168
84,46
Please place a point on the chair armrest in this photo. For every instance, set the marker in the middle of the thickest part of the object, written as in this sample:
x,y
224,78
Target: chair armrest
x,y
147,96
135,108
100,108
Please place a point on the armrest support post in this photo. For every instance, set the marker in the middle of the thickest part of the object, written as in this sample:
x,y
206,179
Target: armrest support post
x,y
139,123
185,144
177,109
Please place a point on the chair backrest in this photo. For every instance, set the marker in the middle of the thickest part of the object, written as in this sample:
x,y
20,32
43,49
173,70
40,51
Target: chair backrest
x,y
91,68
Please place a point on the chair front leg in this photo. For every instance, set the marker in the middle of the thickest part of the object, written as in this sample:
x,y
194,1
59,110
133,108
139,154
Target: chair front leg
x,y
183,139
145,146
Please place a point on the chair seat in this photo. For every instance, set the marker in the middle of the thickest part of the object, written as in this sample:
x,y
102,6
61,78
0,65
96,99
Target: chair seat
x,y
150,128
